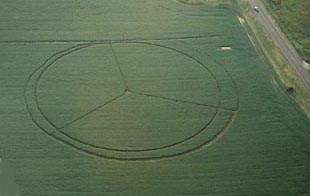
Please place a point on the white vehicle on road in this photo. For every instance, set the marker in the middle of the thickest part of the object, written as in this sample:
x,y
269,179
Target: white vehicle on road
x,y
256,9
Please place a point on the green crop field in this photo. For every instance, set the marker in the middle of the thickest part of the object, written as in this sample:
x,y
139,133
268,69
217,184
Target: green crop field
x,y
142,97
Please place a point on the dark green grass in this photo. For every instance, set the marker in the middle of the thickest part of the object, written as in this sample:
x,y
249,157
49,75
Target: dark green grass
x,y
265,151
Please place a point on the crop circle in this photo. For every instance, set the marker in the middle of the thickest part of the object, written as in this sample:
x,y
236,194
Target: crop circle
x,y
190,141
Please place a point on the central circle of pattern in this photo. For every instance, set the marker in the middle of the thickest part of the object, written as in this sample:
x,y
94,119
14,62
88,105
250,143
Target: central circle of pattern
x,y
127,101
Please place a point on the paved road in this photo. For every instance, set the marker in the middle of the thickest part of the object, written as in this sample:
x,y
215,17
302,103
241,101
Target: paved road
x,y
285,47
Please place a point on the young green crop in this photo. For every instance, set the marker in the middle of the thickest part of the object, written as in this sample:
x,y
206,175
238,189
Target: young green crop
x,y
145,78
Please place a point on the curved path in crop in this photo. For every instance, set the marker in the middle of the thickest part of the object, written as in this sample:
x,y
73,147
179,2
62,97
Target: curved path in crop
x,y
282,43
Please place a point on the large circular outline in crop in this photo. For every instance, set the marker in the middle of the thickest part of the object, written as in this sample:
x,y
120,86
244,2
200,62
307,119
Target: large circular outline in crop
x,y
40,119
130,150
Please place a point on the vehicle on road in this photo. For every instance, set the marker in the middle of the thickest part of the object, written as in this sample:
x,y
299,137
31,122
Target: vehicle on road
x,y
256,9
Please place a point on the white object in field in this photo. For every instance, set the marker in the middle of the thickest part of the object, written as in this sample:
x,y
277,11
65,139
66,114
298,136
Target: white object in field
x,y
226,48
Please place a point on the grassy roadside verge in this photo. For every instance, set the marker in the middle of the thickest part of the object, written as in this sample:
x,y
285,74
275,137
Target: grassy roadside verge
x,y
293,19
284,71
